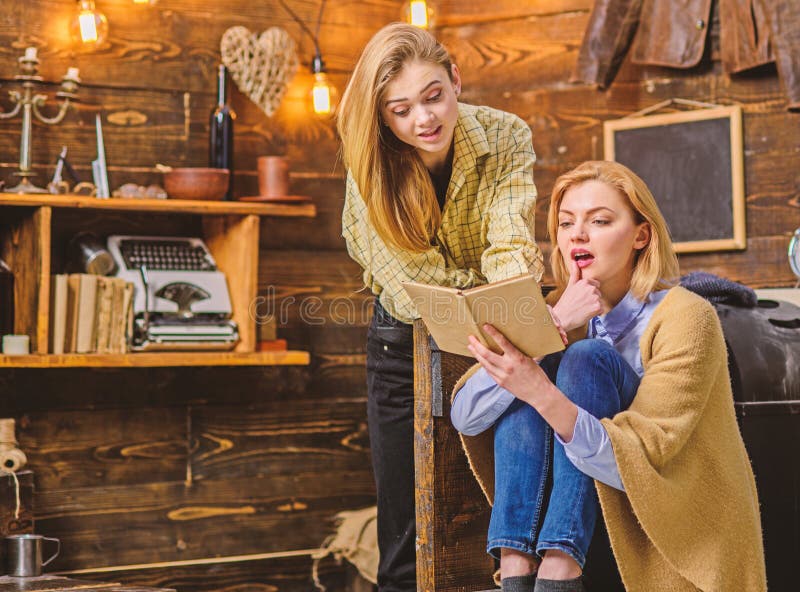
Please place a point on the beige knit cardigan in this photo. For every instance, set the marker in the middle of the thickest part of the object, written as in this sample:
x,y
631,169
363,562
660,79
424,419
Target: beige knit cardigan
x,y
688,519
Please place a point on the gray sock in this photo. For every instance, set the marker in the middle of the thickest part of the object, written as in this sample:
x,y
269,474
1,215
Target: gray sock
x,y
519,583
575,585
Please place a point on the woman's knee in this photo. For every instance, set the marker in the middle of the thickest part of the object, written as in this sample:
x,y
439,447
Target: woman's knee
x,y
587,375
585,354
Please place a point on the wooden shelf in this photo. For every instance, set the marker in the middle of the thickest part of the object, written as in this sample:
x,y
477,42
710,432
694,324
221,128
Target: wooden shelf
x,y
183,206
29,226
157,359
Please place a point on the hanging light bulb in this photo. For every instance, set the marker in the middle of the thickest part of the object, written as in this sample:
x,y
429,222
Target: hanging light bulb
x,y
419,13
324,96
89,26
150,2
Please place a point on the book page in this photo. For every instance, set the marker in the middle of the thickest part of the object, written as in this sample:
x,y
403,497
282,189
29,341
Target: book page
x,y
516,308
446,315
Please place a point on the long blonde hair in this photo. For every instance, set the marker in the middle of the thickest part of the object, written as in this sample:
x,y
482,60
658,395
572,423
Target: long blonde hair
x,y
656,265
389,173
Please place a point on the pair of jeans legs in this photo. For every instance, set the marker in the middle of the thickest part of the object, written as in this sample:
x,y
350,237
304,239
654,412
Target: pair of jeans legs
x,y
390,416
541,501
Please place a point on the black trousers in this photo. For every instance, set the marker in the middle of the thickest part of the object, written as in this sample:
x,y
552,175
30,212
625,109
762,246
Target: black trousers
x,y
390,415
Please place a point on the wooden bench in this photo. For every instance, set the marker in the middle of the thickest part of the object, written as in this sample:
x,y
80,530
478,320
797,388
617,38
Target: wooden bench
x,y
452,512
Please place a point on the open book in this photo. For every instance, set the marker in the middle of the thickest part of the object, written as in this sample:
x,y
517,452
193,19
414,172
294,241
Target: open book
x,y
515,307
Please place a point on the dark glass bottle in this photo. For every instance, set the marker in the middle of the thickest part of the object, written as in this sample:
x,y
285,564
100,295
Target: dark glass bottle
x,y
220,153
6,299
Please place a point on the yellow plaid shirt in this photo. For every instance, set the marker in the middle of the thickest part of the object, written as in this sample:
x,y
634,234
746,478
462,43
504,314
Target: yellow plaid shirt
x,y
486,232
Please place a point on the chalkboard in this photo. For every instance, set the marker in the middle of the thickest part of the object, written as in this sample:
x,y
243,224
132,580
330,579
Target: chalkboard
x,y
692,163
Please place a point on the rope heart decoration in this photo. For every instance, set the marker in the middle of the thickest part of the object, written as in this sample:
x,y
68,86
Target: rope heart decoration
x,y
261,65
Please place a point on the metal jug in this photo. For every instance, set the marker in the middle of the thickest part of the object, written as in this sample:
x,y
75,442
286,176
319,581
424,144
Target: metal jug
x,y
24,554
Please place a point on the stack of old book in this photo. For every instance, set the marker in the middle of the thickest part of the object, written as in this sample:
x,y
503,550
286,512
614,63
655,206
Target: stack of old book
x,y
90,314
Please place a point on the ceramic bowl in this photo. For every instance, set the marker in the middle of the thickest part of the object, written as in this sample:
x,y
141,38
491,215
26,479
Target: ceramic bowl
x,y
196,183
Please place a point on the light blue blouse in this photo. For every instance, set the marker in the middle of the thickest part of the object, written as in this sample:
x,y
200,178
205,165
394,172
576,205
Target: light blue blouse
x,y
480,402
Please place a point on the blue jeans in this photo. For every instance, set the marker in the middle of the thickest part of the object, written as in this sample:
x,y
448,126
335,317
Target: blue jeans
x,y
541,501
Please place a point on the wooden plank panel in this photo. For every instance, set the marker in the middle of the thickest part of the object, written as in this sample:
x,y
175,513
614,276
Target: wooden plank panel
x,y
234,243
323,324
289,573
333,272
74,449
147,206
111,526
177,46
476,12
48,583
308,142
567,125
342,309
324,231
142,128
452,514
763,264
324,435
567,121
341,375
326,340
156,131
424,461
26,390
322,309
512,55
25,247
158,359
149,126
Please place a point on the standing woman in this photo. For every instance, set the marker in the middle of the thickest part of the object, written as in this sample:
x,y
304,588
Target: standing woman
x,y
438,192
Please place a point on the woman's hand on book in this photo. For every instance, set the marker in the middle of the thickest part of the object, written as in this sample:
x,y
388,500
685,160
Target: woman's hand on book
x,y
559,326
513,370
522,377
579,302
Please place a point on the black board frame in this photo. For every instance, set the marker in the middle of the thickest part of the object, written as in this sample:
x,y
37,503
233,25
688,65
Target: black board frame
x,y
725,158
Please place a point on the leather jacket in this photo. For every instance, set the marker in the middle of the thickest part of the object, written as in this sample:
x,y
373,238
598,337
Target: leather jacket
x,y
752,33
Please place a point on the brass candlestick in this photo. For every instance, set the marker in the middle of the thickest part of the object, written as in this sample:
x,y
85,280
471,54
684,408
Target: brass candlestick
x,y
30,104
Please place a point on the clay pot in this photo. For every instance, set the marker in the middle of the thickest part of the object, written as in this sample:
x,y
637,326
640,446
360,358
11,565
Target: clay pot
x,y
273,176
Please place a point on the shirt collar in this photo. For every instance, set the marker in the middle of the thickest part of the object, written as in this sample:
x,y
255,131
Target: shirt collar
x,y
617,322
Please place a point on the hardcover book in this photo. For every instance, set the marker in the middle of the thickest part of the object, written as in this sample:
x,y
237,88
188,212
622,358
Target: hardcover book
x,y
515,307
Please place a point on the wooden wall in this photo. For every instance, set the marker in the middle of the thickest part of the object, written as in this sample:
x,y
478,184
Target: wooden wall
x,y
142,467
203,478
519,56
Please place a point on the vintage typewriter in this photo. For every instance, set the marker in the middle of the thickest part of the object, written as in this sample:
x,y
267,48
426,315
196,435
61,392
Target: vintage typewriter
x,y
181,299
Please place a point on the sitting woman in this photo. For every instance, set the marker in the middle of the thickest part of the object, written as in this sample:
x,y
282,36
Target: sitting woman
x,y
637,409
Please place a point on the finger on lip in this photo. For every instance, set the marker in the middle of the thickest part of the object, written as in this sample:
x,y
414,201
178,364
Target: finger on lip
x,y
575,270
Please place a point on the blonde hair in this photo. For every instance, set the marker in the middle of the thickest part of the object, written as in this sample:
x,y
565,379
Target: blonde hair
x,y
656,265
389,173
